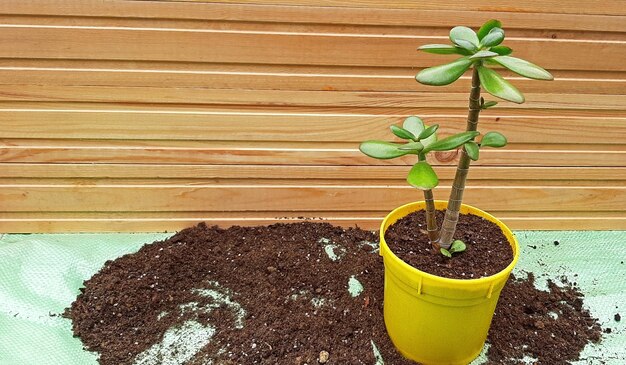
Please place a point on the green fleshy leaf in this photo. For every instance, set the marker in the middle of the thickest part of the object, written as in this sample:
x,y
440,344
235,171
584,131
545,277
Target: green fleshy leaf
x,y
429,140
457,246
412,146
467,45
444,74
497,86
483,54
443,49
414,125
487,27
402,133
382,150
445,252
501,50
495,37
523,67
489,104
451,142
472,150
462,36
422,176
493,139
428,132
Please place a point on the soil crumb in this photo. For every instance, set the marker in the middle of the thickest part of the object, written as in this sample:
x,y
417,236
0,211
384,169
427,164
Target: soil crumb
x,y
300,293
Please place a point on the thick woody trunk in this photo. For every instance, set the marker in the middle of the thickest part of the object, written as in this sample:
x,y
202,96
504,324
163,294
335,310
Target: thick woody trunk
x,y
451,218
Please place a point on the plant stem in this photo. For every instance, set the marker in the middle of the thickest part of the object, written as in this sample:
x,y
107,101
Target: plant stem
x,y
431,219
448,227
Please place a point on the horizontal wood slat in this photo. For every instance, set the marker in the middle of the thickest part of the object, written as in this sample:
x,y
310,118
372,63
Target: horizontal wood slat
x,y
285,78
234,198
269,214
291,126
168,221
296,173
125,115
291,183
292,98
150,152
614,7
391,111
214,45
521,16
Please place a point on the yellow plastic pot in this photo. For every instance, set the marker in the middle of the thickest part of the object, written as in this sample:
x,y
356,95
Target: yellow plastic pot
x,y
435,320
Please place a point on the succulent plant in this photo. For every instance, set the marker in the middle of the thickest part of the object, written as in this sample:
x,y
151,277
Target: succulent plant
x,y
479,51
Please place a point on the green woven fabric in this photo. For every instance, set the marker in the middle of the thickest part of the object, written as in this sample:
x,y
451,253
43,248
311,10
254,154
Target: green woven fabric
x,y
40,276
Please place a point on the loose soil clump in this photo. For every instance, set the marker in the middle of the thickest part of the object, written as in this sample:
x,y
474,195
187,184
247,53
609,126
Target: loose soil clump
x,y
302,293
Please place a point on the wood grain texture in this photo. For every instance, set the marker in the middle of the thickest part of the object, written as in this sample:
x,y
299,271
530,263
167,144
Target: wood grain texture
x,y
286,153
311,14
124,115
286,98
328,127
531,6
215,45
171,222
278,77
238,198
297,173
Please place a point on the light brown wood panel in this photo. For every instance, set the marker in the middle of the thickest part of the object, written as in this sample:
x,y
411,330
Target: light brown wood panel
x,y
154,115
326,78
290,26
345,99
219,76
169,222
391,111
277,215
512,182
53,151
296,174
532,6
228,126
261,12
143,198
213,45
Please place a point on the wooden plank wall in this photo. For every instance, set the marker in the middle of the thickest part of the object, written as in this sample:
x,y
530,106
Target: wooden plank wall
x,y
154,115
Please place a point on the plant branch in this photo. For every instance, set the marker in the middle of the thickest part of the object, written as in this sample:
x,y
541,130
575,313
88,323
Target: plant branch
x,y
431,219
448,227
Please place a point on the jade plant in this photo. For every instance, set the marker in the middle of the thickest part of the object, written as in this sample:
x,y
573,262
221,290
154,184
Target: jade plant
x,y
480,51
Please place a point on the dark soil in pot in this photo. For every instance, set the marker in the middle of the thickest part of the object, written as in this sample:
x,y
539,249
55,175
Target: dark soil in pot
x,y
487,253
279,295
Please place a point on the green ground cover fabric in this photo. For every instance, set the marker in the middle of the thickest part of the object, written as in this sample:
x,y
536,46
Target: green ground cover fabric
x,y
40,275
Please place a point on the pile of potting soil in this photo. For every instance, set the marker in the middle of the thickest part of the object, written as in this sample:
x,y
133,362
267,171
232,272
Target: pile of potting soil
x,y
303,293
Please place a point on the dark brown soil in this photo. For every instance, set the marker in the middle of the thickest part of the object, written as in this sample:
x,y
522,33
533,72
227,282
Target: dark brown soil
x,y
279,275
538,315
487,253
